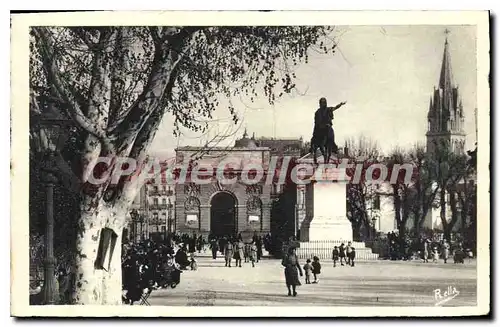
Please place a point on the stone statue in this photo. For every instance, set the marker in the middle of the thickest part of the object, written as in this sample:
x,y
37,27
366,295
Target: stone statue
x,y
323,134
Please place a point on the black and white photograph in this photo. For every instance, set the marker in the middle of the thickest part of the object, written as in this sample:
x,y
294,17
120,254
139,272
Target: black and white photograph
x,y
230,163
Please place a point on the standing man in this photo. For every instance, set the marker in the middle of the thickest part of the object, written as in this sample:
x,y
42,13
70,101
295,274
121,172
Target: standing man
x,y
426,250
253,253
228,253
238,250
323,122
258,243
254,237
192,243
446,250
222,244
214,247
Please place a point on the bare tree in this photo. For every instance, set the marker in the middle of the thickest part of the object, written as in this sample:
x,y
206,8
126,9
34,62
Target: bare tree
x,y
116,84
450,169
460,193
401,191
424,187
360,195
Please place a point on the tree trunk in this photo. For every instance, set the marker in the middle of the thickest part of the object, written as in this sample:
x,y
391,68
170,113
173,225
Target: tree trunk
x,y
112,280
88,286
93,285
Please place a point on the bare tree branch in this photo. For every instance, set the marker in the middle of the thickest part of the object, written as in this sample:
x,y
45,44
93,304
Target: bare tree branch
x,y
61,91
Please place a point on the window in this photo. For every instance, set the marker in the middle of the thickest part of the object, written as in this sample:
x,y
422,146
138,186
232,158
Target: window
x,y
155,201
155,189
163,229
164,201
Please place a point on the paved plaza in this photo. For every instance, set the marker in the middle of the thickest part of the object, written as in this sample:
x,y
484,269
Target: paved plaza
x,y
369,283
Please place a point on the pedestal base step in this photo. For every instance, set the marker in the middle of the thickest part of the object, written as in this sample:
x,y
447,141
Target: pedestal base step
x,y
323,250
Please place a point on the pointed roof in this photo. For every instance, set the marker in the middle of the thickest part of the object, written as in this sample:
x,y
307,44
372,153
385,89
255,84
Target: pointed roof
x,y
446,77
431,108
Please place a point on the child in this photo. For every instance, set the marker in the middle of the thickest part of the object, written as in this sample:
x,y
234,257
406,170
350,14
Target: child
x,y
316,269
342,253
352,255
435,254
335,255
308,269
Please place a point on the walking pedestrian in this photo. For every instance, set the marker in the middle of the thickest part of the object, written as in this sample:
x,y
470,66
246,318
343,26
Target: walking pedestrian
x,y
199,243
192,243
246,251
292,270
214,246
238,251
253,253
228,253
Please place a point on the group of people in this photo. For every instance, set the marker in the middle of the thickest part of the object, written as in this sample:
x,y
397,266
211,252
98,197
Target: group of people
x,y
147,266
344,254
424,248
445,251
234,248
193,242
293,270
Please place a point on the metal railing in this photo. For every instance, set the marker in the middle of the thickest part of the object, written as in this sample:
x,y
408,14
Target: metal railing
x,y
158,206
323,250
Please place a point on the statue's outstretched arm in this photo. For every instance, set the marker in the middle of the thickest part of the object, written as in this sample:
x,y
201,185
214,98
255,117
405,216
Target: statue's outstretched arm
x,y
338,106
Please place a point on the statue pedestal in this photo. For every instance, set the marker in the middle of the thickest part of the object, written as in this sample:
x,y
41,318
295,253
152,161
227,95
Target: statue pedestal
x,y
326,207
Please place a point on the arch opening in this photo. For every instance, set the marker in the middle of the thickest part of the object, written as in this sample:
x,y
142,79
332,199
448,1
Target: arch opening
x,y
223,215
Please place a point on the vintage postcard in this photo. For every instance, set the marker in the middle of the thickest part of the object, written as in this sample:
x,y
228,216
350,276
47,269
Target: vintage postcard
x,y
230,163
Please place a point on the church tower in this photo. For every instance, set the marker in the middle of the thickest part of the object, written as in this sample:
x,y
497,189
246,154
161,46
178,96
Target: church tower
x,y
445,117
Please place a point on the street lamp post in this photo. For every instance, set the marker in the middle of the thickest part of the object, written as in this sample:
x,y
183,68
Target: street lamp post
x,y
374,220
48,137
133,215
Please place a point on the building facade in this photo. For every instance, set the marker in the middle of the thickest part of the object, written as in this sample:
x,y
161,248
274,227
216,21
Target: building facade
x,y
220,208
152,213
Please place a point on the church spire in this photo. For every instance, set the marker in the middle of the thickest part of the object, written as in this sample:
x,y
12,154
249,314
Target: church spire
x,y
430,113
446,78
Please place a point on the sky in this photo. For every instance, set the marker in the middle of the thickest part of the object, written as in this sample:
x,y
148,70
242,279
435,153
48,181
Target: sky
x,y
386,74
